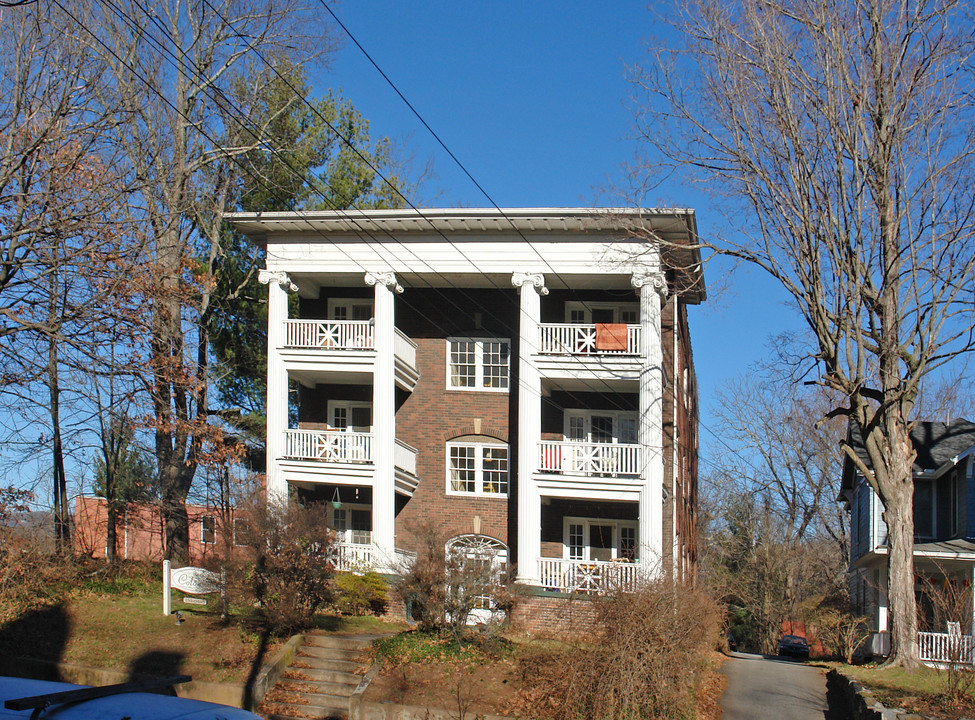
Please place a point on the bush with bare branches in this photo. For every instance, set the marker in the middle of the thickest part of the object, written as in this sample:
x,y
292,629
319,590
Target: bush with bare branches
x,y
946,607
290,577
648,660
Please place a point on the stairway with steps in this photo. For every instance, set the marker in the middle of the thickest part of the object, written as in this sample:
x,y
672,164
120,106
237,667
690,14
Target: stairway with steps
x,y
320,679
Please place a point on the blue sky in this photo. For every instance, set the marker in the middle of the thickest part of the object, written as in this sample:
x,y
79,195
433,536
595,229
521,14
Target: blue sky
x,y
532,98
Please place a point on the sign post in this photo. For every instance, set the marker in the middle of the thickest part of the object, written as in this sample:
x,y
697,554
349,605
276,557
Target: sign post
x,y
191,580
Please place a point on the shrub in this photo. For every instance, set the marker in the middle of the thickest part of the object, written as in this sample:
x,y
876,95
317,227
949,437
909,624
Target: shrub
x,y
290,577
361,593
648,659
443,588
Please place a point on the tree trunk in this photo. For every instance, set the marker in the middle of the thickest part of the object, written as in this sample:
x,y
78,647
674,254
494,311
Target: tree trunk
x,y
177,527
902,603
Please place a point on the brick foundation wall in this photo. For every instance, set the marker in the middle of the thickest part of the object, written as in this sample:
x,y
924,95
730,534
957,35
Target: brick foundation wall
x,y
551,616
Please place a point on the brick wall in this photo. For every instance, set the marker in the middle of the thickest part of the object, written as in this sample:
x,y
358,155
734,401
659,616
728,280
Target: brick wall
x,y
551,616
433,415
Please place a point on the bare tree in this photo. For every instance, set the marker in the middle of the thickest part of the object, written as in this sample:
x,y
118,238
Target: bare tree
x,y
189,75
840,135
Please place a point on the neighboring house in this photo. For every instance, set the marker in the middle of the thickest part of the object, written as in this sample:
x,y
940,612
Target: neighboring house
x,y
944,529
522,379
140,531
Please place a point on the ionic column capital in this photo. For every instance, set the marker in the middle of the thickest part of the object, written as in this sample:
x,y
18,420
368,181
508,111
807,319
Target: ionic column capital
x,y
384,278
266,277
518,279
654,278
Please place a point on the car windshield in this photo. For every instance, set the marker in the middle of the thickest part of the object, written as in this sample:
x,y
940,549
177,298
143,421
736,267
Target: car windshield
x,y
792,639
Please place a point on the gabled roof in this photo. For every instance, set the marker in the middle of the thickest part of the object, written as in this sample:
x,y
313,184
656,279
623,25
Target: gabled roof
x,y
936,444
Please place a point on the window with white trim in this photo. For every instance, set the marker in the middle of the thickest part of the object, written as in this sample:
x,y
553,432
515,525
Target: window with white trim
x,y
602,312
924,509
483,560
209,529
601,426
596,539
350,415
352,524
349,309
477,364
477,468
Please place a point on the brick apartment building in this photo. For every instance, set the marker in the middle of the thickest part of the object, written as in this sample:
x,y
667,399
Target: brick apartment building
x,y
521,378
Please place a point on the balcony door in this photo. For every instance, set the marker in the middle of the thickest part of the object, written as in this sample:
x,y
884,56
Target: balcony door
x,y
349,309
597,312
595,426
596,540
352,524
350,416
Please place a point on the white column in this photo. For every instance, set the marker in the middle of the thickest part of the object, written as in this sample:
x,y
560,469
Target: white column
x,y
529,425
652,286
384,417
881,594
277,380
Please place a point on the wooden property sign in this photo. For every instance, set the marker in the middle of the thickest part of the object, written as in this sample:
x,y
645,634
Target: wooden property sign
x,y
191,580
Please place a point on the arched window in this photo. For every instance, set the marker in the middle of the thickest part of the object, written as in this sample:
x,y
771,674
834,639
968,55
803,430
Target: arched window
x,y
482,561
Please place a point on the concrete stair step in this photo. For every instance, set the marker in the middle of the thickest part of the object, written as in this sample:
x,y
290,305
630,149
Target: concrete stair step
x,y
331,653
291,710
291,685
321,675
324,663
348,642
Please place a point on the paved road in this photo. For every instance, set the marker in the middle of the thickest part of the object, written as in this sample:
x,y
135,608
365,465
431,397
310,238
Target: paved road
x,y
766,688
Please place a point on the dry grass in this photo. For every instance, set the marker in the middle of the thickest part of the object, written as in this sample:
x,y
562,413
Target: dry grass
x,y
921,691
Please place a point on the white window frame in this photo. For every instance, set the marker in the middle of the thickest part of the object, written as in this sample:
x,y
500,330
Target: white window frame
x,y
585,311
479,477
347,304
347,405
587,414
346,536
479,353
933,488
586,523
240,531
203,529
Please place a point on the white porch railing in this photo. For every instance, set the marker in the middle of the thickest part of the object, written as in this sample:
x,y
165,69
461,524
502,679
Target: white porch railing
x,y
575,339
589,459
349,557
590,577
940,648
330,334
328,445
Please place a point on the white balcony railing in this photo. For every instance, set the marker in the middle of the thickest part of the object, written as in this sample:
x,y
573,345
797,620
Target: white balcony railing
x,y
943,648
589,459
404,348
404,457
330,334
575,339
595,577
328,446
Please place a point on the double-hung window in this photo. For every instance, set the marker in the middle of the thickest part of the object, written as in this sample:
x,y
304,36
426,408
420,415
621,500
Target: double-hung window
x,y
209,525
477,364
477,468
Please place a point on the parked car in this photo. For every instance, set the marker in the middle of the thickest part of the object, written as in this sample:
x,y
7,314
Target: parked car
x,y
22,699
794,646
732,643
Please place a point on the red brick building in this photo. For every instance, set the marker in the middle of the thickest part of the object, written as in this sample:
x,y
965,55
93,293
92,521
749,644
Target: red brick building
x,y
140,531
523,379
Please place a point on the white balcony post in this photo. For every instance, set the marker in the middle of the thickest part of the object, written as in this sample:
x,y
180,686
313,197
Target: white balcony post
x,y
384,417
529,425
277,380
652,287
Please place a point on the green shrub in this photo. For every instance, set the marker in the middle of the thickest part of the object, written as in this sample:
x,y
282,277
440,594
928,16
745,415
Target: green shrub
x,y
361,593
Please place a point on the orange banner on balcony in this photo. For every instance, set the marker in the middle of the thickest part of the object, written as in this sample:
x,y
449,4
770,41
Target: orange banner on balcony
x,y
611,336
